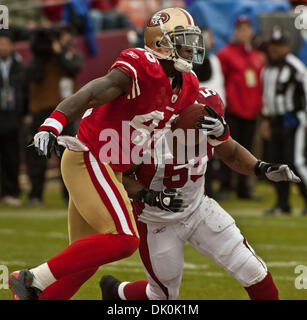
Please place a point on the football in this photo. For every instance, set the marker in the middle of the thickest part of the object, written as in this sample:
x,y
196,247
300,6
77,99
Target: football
x,y
189,116
189,139
188,119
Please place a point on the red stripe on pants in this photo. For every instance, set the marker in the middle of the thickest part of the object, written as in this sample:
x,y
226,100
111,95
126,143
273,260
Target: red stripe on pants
x,y
145,256
104,198
118,197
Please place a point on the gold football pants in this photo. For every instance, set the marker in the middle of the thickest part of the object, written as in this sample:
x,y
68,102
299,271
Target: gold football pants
x,y
98,202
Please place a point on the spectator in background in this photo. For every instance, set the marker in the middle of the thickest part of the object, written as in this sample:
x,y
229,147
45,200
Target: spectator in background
x,y
102,15
241,65
106,16
12,107
77,14
139,11
284,114
52,77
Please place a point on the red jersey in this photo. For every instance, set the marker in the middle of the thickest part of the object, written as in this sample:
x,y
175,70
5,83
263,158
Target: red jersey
x,y
149,104
242,71
212,99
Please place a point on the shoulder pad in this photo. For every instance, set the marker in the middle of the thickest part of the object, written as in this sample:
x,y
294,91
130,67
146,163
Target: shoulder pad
x,y
212,99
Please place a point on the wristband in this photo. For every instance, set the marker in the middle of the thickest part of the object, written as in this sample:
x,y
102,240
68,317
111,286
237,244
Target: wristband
x,y
261,168
141,194
147,196
225,136
55,123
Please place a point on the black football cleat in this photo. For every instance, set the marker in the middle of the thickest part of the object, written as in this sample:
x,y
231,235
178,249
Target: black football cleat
x,y
109,287
20,284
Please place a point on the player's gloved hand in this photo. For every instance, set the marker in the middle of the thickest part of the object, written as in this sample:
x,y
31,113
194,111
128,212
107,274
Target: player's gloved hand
x,y
275,172
168,199
45,142
217,128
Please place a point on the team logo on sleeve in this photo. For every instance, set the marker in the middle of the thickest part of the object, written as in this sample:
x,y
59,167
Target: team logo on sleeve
x,y
133,54
154,21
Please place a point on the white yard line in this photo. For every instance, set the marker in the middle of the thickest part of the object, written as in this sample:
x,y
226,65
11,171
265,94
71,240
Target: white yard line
x,y
29,233
189,268
47,214
269,247
13,263
187,265
137,269
43,214
285,264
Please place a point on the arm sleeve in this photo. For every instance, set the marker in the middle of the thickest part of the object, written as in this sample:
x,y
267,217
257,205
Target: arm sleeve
x,y
130,65
211,98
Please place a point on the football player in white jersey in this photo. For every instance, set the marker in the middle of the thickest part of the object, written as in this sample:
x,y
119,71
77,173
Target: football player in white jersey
x,y
182,213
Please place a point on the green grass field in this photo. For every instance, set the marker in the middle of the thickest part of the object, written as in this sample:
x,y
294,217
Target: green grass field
x,y
29,236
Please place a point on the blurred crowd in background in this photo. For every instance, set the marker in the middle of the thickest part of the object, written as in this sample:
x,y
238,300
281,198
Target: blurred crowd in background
x,y
243,52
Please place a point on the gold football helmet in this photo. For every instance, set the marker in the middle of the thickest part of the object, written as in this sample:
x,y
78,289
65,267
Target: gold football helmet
x,y
171,34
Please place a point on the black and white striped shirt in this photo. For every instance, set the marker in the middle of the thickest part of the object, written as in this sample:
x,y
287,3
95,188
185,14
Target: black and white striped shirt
x,y
284,87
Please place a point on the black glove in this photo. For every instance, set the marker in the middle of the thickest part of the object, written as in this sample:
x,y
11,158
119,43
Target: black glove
x,y
216,126
45,142
275,172
168,199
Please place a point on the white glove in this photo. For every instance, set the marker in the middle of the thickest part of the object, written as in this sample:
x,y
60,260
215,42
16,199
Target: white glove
x,y
283,173
215,125
45,142
275,172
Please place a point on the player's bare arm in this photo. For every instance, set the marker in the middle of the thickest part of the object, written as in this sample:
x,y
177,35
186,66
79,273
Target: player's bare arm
x,y
231,152
168,199
131,185
242,161
95,93
236,157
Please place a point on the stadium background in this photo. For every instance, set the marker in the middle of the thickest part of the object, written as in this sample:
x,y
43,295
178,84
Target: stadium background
x,y
29,236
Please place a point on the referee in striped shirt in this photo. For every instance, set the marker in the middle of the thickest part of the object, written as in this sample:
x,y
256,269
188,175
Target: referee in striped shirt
x,y
285,114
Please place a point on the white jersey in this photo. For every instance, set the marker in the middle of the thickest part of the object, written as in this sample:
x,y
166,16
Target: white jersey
x,y
189,178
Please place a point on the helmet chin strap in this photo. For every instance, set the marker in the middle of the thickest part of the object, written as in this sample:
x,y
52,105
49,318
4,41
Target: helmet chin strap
x,y
157,54
182,65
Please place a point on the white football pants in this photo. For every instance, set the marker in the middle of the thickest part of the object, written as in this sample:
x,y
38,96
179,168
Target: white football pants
x,y
212,231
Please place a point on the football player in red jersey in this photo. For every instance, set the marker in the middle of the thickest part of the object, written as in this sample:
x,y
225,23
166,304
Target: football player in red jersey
x,y
202,223
144,88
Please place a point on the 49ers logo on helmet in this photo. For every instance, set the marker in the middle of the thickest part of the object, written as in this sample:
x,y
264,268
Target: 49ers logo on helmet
x,y
154,21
